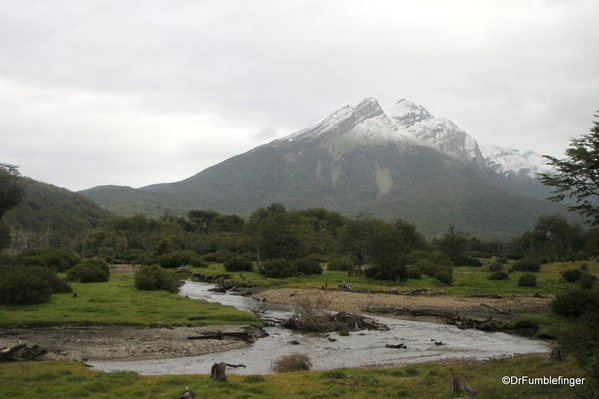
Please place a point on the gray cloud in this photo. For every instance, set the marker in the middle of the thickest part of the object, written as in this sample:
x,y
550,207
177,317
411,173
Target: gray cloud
x,y
141,92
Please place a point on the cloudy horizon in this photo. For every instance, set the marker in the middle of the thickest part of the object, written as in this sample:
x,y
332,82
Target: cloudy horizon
x,y
143,92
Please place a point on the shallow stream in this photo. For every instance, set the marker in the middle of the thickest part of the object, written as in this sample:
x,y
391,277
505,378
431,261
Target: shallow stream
x,y
360,349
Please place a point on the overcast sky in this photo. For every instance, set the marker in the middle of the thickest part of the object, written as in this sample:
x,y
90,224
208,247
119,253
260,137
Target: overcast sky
x,y
140,92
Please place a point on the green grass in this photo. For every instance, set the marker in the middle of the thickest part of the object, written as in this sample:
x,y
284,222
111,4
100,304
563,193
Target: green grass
x,y
71,380
118,302
467,280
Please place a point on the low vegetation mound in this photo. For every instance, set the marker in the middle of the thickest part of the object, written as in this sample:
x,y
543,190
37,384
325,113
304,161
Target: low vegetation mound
x,y
89,271
30,285
155,278
292,362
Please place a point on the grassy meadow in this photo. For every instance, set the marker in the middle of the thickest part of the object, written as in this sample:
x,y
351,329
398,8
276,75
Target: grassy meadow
x,y
118,302
466,280
61,380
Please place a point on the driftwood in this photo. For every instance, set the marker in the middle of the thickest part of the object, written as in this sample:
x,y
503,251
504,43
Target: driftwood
x,y
241,335
359,322
485,296
450,317
398,346
494,309
21,352
187,394
418,291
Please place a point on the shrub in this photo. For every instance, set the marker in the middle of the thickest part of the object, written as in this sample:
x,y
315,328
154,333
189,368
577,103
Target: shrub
x,y
496,267
279,268
175,259
341,264
430,267
571,275
89,271
293,362
59,260
219,256
499,276
574,303
414,273
527,265
154,278
527,280
238,264
308,265
310,315
444,277
392,272
587,281
30,285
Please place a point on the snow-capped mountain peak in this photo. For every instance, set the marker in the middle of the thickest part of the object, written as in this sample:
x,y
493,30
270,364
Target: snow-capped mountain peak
x,y
366,122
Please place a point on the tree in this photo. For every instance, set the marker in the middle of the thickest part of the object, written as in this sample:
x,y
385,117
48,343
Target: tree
x,y
11,193
455,244
577,175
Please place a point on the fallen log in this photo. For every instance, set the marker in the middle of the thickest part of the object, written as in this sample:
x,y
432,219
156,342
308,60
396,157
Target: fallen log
x,y
398,346
418,291
485,296
494,309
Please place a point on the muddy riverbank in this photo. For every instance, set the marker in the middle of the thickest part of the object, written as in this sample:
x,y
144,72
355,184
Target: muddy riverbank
x,y
127,343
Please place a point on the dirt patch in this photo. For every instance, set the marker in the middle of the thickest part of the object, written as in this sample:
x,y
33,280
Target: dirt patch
x,y
126,343
463,306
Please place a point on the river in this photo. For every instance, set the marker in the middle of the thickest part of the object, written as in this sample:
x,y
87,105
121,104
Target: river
x,y
360,349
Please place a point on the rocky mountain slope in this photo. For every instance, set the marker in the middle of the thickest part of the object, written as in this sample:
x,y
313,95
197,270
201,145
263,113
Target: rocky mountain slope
x,y
394,161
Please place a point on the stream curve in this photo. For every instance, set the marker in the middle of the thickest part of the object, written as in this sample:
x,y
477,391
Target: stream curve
x,y
360,349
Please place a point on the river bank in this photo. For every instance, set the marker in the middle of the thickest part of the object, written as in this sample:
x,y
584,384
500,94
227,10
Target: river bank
x,y
470,307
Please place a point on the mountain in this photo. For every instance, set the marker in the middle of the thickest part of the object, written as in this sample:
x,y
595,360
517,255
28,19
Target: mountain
x,y
46,208
394,161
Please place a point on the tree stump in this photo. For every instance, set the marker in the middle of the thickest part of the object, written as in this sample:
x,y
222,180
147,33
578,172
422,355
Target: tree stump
x,y
455,384
557,354
218,372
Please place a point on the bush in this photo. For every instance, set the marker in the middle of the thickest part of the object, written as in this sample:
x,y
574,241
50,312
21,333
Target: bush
x,y
89,271
279,268
293,362
499,276
59,260
496,267
414,273
575,303
389,272
587,281
30,285
527,280
444,277
219,256
430,267
176,259
238,264
571,275
154,278
527,265
341,264
308,265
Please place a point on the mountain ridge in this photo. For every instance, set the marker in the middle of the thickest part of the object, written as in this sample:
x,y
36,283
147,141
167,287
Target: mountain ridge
x,y
398,161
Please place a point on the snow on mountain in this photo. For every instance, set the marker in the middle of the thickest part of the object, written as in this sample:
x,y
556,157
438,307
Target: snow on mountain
x,y
367,122
508,161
